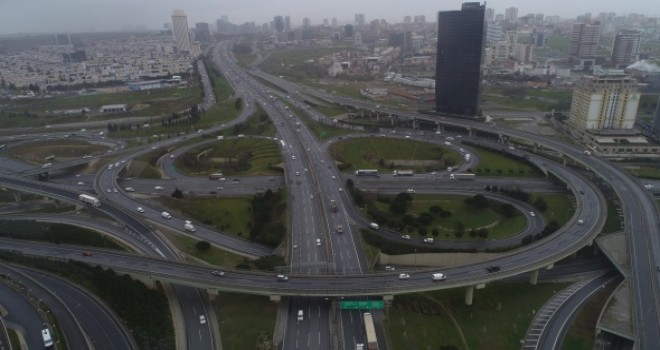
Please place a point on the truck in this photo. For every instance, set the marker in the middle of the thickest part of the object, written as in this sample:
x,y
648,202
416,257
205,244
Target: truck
x,y
188,226
93,201
403,173
215,176
333,205
457,176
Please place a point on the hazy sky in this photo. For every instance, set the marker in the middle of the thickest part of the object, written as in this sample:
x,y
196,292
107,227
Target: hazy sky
x,y
38,16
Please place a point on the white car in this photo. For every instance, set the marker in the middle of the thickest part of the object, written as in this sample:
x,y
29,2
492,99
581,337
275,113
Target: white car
x,y
389,268
297,173
404,276
428,240
405,236
531,213
202,319
140,210
318,242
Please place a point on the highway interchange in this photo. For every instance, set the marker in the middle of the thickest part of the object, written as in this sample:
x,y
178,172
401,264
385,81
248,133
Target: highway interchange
x,y
336,268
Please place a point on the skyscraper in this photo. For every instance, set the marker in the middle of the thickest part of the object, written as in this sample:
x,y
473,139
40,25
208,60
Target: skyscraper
x,y
458,66
359,20
626,47
511,14
180,31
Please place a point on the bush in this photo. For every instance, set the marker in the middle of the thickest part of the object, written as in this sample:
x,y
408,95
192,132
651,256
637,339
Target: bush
x,y
202,246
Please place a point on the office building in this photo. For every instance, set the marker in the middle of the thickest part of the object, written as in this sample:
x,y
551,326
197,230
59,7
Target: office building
x,y
278,24
584,43
180,31
306,22
604,102
524,53
490,14
401,40
460,48
626,47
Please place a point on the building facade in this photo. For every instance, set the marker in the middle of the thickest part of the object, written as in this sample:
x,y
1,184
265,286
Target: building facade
x,y
180,31
626,47
604,103
460,49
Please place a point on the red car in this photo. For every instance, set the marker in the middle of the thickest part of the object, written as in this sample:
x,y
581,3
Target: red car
x,y
87,254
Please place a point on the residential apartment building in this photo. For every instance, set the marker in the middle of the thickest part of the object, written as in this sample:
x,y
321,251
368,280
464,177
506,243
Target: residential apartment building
x,y
606,102
180,31
626,47
584,43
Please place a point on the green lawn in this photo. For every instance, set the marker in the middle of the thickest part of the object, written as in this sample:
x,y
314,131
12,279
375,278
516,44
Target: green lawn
x,y
497,225
246,321
330,111
241,156
213,255
492,163
646,172
230,215
560,207
613,222
37,151
388,154
498,318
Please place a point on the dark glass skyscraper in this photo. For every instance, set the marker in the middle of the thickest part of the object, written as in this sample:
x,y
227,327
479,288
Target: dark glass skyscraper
x,y
458,68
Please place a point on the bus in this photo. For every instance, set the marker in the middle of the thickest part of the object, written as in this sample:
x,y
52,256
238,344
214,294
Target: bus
x,y
370,330
48,340
366,172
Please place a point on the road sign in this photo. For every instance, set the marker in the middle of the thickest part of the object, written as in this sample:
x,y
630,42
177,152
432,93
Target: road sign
x,y
361,304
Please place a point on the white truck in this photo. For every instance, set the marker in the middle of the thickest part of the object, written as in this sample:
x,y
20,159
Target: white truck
x,y
461,176
93,201
188,226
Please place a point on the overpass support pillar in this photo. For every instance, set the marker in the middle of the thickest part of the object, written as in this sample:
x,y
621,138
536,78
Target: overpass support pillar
x,y
212,293
275,298
388,299
469,295
17,197
471,132
414,123
533,277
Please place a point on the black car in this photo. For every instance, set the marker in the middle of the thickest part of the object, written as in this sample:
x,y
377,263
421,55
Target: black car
x,y
493,268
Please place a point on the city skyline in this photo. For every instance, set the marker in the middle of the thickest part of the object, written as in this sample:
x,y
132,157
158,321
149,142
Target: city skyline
x,y
42,16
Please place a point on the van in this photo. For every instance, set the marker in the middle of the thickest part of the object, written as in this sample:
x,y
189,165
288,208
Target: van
x,y
374,226
166,215
428,240
438,277
300,315
130,189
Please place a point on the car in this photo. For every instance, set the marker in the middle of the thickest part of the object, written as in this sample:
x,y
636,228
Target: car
x,y
408,137
202,319
405,236
493,268
580,222
115,190
293,157
306,170
311,196
235,180
447,143
438,276
172,156
129,189
404,276
389,268
109,190
159,188
340,190
218,273
282,278
531,213
300,315
318,242
410,190
295,246
333,177
140,210
428,240
85,253
80,183
297,173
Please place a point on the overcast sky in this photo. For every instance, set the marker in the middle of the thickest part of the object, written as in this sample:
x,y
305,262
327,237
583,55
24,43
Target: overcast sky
x,y
39,16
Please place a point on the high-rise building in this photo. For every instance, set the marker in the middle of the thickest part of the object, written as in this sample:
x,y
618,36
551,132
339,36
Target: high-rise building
x,y
333,22
287,23
626,47
604,102
402,40
511,14
656,118
460,50
202,32
278,24
584,43
306,22
419,19
180,31
524,53
490,14
359,20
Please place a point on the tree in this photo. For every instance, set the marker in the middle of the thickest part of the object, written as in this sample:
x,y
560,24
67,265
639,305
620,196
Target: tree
x,y
541,204
203,246
425,219
459,227
350,184
435,210
482,233
177,193
473,233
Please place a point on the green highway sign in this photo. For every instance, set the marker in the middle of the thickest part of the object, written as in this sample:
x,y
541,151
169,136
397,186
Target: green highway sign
x,y
361,304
